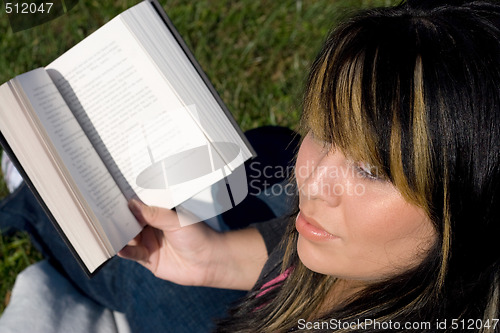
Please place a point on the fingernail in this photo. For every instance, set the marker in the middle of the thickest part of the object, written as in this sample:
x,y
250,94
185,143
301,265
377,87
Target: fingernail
x,y
135,206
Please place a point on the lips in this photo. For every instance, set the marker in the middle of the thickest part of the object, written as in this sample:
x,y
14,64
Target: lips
x,y
311,230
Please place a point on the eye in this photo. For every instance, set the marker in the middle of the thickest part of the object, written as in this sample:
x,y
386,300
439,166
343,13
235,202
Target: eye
x,y
366,170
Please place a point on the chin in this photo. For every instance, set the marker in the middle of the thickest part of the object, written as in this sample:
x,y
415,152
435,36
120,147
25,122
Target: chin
x,y
312,257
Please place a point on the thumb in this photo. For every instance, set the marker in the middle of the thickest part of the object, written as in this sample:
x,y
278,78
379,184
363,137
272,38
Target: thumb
x,y
160,218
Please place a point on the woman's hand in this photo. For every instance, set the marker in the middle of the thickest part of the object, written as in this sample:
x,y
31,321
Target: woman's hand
x,y
195,254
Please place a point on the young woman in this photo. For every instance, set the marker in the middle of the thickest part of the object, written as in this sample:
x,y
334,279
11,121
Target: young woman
x,y
399,188
398,214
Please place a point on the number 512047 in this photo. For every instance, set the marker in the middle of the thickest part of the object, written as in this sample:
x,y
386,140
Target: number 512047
x,y
27,7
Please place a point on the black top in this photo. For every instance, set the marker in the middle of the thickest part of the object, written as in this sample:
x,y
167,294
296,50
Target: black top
x,y
272,231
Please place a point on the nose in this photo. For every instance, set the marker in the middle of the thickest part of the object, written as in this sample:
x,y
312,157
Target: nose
x,y
323,180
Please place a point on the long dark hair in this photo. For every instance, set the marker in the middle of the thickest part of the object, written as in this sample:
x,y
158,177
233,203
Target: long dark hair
x,y
414,90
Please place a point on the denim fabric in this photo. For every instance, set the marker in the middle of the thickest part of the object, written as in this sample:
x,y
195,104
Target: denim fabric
x,y
43,301
150,304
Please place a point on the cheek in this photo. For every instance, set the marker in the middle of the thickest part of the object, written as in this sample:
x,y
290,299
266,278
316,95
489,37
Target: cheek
x,y
390,235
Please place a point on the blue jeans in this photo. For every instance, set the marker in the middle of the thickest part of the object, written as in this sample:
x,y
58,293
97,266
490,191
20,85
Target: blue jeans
x,y
151,304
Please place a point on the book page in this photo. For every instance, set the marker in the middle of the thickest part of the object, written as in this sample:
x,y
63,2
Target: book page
x,y
228,147
85,170
23,139
136,122
176,66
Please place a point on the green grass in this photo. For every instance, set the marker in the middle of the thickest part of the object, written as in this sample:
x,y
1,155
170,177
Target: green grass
x,y
256,53
16,253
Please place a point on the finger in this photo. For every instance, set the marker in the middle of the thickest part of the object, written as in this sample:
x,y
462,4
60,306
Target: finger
x,y
142,247
157,217
136,253
136,240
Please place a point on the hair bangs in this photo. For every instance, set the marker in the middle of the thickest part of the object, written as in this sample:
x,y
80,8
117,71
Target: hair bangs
x,y
367,99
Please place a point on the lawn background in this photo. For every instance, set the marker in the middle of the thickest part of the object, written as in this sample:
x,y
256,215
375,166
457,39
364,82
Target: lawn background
x,y
256,53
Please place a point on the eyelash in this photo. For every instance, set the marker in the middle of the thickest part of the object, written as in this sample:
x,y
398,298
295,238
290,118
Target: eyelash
x,y
363,169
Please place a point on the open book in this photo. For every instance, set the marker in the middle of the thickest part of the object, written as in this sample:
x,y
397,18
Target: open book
x,y
125,113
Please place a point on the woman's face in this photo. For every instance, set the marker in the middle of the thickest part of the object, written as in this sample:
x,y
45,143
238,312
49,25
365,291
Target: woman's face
x,y
353,225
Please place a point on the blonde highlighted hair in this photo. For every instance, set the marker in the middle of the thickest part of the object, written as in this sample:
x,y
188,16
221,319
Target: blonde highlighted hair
x,y
414,91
